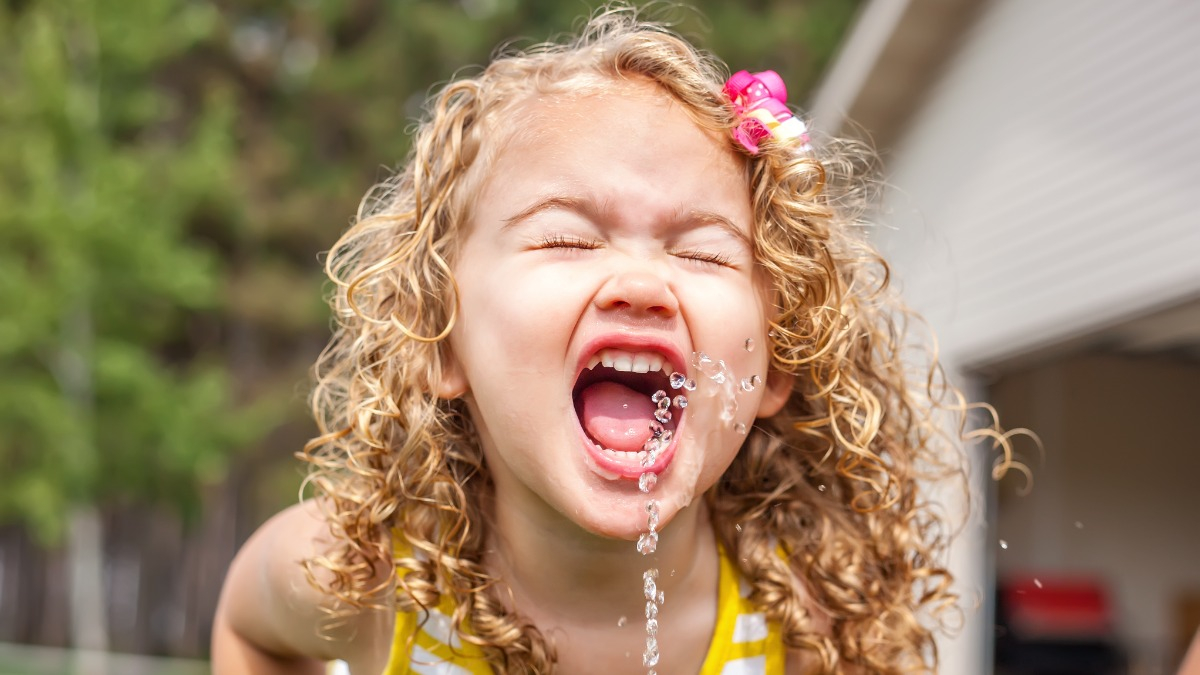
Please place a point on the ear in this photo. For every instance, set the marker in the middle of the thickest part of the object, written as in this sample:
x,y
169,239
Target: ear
x,y
453,381
776,393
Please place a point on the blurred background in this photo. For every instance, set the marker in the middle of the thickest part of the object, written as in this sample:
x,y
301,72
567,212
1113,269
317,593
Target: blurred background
x,y
170,171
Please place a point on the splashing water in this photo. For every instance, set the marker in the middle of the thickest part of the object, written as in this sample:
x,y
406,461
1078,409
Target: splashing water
x,y
751,383
647,481
725,387
654,598
719,374
647,542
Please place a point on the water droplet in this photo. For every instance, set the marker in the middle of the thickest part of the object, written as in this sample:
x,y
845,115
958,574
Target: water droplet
x,y
748,383
681,401
656,430
658,396
740,428
821,488
647,543
664,403
700,358
662,415
651,573
652,506
677,380
651,626
1003,544
652,521
651,456
651,610
621,622
772,334
650,658
1078,525
718,377
738,527
749,344
647,481
1037,582
690,385
649,588
662,598
666,438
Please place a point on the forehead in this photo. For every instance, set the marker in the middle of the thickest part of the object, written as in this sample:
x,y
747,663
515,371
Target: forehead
x,y
627,142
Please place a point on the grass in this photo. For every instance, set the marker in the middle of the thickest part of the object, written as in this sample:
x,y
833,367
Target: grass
x,y
29,660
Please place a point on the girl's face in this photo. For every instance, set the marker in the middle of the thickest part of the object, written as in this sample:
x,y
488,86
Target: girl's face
x,y
612,229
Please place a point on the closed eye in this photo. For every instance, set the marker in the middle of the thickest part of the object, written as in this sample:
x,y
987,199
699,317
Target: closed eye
x,y
704,256
567,241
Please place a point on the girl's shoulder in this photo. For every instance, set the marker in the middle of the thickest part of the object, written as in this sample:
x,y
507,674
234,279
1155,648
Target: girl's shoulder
x,y
292,544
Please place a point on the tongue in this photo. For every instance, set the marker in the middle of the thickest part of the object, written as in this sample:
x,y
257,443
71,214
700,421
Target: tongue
x,y
616,416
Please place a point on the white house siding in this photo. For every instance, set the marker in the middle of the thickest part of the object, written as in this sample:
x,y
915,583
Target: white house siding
x,y
1048,185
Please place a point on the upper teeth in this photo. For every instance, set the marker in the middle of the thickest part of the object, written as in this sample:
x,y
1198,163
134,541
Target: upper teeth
x,y
628,362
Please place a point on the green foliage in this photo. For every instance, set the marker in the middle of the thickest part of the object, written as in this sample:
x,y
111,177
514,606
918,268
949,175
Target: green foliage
x,y
102,177
169,170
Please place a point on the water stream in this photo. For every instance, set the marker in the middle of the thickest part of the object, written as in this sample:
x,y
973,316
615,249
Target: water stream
x,y
723,380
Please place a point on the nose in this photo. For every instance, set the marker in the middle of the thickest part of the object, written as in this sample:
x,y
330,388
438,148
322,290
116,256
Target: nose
x,y
638,292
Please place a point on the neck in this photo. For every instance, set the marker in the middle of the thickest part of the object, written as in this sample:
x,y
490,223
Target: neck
x,y
558,573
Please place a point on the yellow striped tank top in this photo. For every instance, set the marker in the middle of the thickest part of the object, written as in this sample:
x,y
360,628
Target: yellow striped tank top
x,y
743,641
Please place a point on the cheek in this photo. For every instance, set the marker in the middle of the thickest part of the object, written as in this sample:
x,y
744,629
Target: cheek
x,y
511,316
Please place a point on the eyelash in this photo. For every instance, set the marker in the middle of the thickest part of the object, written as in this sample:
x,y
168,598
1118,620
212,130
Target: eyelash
x,y
569,241
701,256
566,241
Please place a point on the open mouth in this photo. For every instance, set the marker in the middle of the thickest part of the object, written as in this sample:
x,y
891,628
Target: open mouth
x,y
613,401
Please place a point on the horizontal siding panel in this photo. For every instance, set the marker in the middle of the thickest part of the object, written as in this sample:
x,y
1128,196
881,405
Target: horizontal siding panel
x,y
1048,185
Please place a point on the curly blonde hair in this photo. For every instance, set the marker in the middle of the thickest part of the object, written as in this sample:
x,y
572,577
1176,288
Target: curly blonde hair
x,y
835,479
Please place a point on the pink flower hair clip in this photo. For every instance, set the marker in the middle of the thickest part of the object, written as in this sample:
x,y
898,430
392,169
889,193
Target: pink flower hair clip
x,y
760,100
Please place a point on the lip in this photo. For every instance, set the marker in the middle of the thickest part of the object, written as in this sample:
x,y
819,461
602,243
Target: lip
x,y
628,471
632,343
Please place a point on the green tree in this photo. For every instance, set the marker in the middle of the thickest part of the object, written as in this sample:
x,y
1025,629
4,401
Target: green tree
x,y
100,178
169,170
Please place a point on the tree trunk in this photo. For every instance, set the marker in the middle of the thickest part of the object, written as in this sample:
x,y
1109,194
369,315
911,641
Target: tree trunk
x,y
89,620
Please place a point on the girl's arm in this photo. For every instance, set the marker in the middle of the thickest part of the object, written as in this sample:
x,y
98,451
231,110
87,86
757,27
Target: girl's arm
x,y
269,617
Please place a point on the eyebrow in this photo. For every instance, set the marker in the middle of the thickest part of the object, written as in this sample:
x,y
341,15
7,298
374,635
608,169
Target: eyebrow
x,y
588,207
711,218
581,206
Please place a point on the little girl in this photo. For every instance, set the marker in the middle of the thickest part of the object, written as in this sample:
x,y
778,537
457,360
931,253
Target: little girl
x,y
613,297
